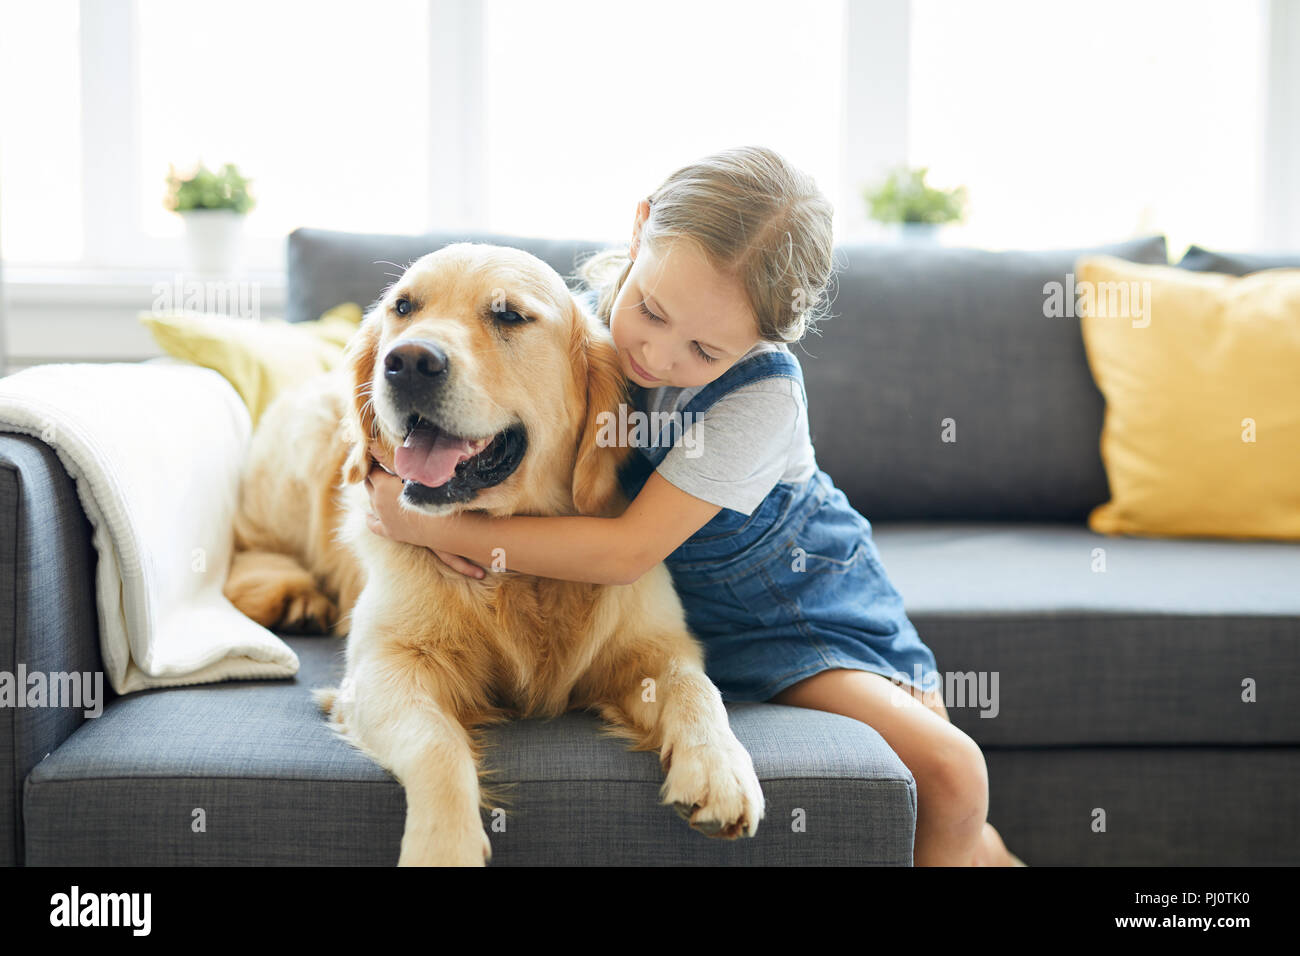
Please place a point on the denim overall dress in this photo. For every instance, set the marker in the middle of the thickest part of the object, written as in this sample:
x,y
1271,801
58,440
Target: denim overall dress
x,y
793,589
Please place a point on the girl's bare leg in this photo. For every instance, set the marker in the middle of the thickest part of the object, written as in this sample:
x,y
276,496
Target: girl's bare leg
x,y
949,769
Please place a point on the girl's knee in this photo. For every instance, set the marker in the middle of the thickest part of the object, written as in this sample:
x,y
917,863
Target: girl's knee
x,y
956,776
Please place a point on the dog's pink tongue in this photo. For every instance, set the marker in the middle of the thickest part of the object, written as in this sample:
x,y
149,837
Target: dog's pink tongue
x,y
430,456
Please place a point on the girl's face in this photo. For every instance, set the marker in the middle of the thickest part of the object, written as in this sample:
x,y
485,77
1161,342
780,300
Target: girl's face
x,y
676,320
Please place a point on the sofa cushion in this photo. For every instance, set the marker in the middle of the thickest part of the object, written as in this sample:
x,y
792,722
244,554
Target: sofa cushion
x,y
1200,374
1236,263
1099,640
277,787
326,268
926,336
260,359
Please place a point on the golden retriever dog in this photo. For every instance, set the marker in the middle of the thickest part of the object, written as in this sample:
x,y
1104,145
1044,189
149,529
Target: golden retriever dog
x,y
482,380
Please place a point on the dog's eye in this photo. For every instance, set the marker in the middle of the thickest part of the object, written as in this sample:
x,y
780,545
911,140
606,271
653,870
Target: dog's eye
x,y
508,316
403,306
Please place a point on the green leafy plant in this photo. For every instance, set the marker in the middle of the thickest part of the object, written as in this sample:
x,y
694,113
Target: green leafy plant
x,y
905,197
204,189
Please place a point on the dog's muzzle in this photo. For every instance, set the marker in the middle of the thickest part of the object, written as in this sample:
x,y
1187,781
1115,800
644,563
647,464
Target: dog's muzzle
x,y
439,466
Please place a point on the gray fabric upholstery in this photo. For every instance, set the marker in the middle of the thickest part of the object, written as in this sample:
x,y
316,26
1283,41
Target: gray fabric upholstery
x,y
1236,263
48,621
977,568
1164,806
924,334
327,268
1152,651
278,787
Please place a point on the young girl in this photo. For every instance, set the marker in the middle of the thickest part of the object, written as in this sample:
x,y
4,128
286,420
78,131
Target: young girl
x,y
778,574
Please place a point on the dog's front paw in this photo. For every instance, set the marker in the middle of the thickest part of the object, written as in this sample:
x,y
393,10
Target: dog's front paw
x,y
325,698
427,846
714,788
336,703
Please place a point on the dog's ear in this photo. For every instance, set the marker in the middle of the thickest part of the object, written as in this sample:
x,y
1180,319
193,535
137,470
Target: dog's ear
x,y
596,490
359,414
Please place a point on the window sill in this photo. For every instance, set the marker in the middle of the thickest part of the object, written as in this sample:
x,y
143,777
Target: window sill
x,y
28,288
89,315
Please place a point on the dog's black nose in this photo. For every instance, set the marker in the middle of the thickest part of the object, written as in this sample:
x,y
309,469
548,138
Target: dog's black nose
x,y
414,367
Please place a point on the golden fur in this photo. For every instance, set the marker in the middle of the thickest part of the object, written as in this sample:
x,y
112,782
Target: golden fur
x,y
432,655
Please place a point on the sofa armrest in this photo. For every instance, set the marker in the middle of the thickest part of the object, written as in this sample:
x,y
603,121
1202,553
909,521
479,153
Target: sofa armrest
x,y
48,617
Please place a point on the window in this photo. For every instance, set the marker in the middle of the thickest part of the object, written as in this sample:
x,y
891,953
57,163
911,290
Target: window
x,y
1069,124
40,132
1072,124
589,105
324,105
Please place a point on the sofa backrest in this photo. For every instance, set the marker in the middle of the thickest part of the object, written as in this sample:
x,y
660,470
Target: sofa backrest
x,y
1236,263
326,268
940,387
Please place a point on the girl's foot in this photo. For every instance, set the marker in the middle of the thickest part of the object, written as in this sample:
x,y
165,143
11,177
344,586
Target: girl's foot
x,y
993,852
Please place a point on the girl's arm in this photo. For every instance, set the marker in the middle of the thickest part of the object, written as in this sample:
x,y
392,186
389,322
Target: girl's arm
x,y
594,550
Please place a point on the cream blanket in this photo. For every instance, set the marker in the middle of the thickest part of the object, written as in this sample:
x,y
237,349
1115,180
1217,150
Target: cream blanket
x,y
156,452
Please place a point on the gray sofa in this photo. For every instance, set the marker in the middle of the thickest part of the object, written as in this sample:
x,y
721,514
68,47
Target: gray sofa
x,y
1115,732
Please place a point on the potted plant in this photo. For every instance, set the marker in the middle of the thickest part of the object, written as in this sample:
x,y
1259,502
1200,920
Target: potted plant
x,y
212,206
916,209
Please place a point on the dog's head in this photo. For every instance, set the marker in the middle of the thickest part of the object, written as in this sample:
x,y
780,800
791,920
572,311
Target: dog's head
x,y
483,380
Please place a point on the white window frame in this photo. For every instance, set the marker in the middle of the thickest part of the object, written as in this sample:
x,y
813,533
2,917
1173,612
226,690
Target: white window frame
x,y
1279,195
874,120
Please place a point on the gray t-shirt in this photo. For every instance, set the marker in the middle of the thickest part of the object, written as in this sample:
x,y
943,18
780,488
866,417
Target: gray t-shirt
x,y
734,453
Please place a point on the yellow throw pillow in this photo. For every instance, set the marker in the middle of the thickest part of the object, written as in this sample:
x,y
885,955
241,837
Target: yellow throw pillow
x,y
259,358
1201,376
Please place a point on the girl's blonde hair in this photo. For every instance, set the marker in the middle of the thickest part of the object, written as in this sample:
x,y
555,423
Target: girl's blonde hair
x,y
754,217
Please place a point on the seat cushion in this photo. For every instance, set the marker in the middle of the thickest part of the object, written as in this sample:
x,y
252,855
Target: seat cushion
x,y
275,786
1105,640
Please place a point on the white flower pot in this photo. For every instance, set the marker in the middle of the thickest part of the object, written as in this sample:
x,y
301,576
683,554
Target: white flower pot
x,y
215,241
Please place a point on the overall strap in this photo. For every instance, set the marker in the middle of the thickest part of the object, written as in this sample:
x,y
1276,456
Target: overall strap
x,y
774,364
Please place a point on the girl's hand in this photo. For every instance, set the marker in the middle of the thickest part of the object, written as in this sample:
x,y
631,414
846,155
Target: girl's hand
x,y
464,565
387,518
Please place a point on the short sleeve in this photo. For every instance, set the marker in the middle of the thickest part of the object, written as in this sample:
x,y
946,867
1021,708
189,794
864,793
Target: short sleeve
x,y
734,453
